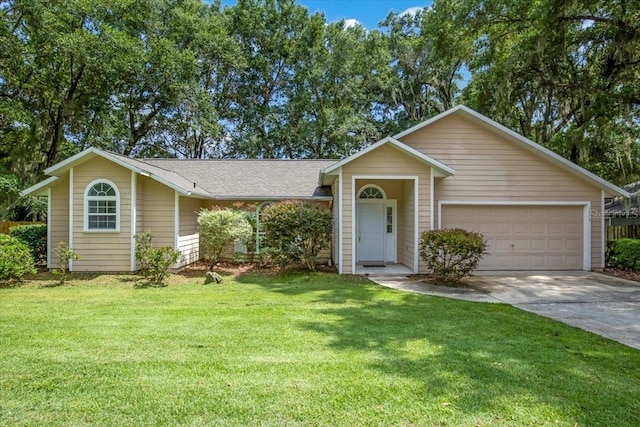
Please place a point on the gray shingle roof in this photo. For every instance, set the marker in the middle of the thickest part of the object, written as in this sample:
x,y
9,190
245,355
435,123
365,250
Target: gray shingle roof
x,y
241,179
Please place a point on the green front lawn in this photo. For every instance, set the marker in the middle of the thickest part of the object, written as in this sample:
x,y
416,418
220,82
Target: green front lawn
x,y
297,350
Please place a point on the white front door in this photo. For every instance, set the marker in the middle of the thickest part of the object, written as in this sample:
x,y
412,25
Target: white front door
x,y
371,232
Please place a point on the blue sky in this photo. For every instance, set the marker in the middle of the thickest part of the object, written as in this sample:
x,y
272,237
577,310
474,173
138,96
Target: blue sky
x,y
367,12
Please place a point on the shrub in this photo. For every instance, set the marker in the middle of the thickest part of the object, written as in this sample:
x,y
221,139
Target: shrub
x,y
35,237
451,253
158,261
65,254
296,232
154,263
219,228
625,254
15,260
143,244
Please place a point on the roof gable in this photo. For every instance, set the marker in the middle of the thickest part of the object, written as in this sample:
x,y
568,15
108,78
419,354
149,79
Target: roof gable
x,y
522,141
440,167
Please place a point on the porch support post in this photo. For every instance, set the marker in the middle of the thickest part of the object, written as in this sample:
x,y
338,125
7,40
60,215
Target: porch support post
x,y
353,224
431,200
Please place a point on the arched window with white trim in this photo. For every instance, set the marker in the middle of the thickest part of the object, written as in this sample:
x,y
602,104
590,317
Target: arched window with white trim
x,y
102,206
371,191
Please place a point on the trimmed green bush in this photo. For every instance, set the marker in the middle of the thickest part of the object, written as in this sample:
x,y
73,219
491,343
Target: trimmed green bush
x,y
296,232
452,253
15,260
35,237
219,228
624,254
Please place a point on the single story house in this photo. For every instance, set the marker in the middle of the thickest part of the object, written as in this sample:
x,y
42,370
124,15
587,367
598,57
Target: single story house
x,y
537,210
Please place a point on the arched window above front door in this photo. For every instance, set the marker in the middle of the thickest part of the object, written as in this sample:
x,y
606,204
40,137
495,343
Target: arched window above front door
x,y
371,192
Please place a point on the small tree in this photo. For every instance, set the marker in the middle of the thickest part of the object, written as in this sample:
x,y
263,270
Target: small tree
x,y
65,254
297,231
154,263
451,253
219,228
15,260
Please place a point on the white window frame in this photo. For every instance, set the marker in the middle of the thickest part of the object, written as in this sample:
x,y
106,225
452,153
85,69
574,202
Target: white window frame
x,y
368,186
86,207
259,233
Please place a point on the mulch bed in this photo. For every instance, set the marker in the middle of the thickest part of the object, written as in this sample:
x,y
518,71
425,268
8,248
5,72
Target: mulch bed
x,y
199,269
430,279
623,274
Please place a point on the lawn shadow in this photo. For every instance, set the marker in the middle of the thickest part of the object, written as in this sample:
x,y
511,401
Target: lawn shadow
x,y
494,355
323,287
476,348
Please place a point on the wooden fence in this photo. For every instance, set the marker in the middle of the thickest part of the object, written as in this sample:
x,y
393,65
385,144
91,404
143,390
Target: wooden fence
x,y
6,225
631,231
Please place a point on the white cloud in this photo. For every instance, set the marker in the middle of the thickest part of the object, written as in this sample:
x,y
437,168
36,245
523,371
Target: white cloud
x,y
348,23
412,11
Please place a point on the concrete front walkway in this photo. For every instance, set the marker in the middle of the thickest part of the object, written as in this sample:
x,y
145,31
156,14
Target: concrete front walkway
x,y
595,302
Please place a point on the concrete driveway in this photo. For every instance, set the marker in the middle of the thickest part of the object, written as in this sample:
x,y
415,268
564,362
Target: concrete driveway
x,y
595,302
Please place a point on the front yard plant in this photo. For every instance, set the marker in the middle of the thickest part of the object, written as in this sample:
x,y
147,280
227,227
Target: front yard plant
x,y
154,263
15,260
624,254
35,237
297,232
451,253
65,255
221,228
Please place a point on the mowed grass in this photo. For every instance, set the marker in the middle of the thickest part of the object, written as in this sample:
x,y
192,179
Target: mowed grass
x,y
297,349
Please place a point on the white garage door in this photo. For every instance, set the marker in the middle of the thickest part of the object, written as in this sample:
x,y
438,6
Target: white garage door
x,y
523,237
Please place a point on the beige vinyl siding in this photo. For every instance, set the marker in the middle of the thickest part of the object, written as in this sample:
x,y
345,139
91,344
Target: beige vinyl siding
x,y
59,218
158,211
102,251
140,196
383,161
188,238
489,167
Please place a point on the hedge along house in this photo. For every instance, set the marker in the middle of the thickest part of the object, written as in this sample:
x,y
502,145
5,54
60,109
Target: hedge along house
x,y
537,210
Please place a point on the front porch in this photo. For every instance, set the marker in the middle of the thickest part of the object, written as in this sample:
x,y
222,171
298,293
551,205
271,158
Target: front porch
x,y
382,269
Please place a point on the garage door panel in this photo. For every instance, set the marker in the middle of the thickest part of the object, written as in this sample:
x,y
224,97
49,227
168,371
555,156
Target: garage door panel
x,y
523,237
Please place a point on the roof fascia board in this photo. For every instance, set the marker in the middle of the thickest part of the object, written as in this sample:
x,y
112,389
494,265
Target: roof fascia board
x,y
42,185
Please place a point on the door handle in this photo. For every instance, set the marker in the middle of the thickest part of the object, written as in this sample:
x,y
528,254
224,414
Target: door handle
x,y
359,235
